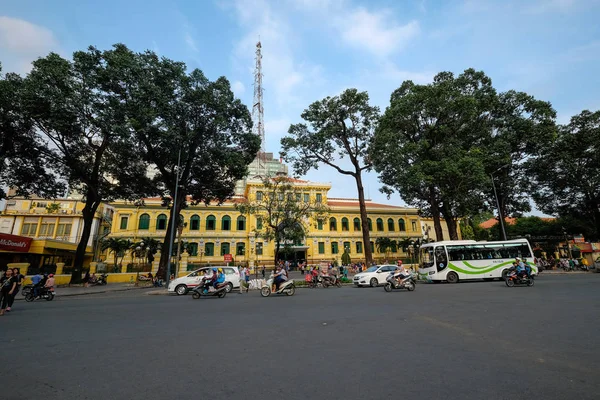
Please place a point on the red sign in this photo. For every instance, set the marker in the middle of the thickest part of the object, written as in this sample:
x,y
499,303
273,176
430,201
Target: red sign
x,y
14,243
228,258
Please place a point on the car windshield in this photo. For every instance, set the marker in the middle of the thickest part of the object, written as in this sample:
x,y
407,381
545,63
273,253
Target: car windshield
x,y
371,269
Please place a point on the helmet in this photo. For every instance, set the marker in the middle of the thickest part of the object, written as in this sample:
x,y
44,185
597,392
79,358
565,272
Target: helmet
x,y
51,275
220,270
517,258
214,270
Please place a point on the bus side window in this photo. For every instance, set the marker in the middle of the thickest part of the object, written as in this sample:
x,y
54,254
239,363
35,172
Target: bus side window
x,y
440,258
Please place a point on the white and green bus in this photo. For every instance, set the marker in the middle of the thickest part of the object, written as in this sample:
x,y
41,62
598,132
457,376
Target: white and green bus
x,y
457,260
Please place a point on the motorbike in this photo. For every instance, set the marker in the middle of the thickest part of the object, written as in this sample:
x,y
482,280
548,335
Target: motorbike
x,y
331,280
286,287
393,283
220,291
100,281
44,293
513,278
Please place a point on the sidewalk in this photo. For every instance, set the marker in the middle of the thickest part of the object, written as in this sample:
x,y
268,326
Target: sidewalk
x,y
80,290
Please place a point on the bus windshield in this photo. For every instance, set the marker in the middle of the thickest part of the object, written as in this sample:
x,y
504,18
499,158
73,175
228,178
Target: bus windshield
x,y
427,257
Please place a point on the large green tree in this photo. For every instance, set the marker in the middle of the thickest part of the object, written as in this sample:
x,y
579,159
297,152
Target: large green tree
x,y
566,177
187,118
440,145
336,130
283,213
75,109
21,167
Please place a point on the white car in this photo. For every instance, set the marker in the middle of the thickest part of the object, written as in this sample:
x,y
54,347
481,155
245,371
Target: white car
x,y
373,276
182,285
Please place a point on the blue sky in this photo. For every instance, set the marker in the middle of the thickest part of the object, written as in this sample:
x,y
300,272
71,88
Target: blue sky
x,y
316,48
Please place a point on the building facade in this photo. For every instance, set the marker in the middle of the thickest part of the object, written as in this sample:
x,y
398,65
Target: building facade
x,y
214,233
54,227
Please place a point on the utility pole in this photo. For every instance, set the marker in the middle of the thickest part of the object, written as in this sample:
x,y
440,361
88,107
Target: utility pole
x,y
258,111
173,226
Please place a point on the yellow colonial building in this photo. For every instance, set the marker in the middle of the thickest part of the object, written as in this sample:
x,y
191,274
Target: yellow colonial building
x,y
213,232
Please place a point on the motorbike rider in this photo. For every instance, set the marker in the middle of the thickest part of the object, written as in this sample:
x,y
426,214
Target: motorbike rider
x,y
49,285
280,277
35,280
401,272
208,280
521,270
220,278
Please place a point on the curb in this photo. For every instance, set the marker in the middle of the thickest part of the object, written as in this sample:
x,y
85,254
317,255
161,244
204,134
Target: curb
x,y
91,293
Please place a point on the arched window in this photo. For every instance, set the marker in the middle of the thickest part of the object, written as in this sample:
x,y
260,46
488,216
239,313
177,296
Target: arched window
x,y
401,225
370,223
240,249
356,224
226,224
332,224
345,226
209,249
211,223
192,249
241,223
391,225
379,223
144,222
195,223
161,222
225,248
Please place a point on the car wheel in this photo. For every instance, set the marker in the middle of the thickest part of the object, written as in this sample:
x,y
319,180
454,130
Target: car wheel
x,y
181,290
373,282
452,277
229,287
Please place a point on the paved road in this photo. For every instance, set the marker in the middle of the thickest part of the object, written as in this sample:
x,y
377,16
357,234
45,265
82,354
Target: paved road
x,y
471,341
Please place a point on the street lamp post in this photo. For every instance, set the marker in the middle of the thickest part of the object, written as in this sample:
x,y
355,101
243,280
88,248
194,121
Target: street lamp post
x,y
173,226
500,215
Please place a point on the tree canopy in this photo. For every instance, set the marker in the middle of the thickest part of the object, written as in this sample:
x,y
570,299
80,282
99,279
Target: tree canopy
x,y
336,132
438,144
566,173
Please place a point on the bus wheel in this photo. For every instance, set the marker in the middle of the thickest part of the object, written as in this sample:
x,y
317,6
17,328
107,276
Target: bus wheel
x,y
452,277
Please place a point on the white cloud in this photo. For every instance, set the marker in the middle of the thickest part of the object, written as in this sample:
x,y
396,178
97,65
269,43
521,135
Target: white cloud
x,y
189,40
238,88
375,32
21,42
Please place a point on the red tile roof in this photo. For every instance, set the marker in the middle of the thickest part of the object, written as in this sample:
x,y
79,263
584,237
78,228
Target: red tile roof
x,y
354,204
508,220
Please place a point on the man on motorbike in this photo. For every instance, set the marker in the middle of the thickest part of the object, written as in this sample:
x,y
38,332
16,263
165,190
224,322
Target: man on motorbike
x,y
401,273
280,277
36,279
206,281
521,270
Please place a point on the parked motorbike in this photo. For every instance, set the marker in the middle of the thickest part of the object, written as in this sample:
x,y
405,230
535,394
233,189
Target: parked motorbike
x,y
286,287
513,278
220,291
331,281
44,293
392,283
100,280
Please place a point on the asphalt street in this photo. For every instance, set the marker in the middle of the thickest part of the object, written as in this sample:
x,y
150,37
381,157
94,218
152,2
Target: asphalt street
x,y
477,340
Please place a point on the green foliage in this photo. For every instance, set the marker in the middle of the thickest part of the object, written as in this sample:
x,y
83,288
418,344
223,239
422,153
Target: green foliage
x,y
117,246
284,213
52,208
336,129
21,167
346,260
437,144
565,173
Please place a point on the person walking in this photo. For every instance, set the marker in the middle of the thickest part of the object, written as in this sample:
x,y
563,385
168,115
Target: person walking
x,y
7,287
18,277
244,279
262,271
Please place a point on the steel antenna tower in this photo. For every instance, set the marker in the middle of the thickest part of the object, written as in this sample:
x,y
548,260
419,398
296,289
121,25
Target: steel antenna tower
x,y
258,111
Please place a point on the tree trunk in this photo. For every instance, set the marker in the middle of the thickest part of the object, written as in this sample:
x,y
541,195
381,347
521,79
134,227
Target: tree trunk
x,y
277,248
164,254
435,212
363,217
450,222
89,210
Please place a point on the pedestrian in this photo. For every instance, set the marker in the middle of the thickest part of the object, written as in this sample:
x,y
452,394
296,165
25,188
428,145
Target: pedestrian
x,y
19,279
262,271
243,275
7,287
